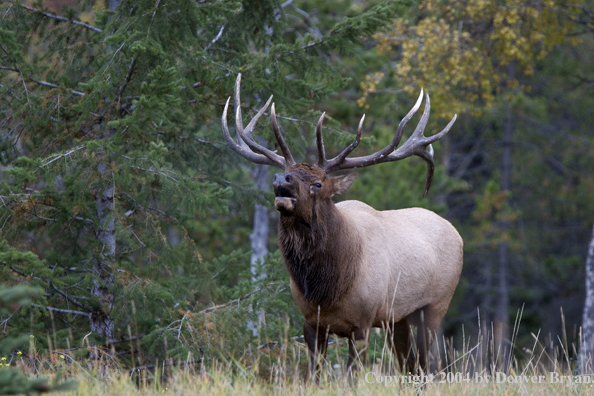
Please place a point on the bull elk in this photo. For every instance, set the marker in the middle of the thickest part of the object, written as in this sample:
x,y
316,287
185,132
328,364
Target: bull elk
x,y
352,267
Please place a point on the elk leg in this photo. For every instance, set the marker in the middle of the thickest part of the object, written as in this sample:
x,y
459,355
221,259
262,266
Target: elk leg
x,y
401,345
358,346
316,338
427,320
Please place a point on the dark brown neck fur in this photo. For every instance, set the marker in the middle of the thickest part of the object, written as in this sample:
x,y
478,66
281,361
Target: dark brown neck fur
x,y
320,253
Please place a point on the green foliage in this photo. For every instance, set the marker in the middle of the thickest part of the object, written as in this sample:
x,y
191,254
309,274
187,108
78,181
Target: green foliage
x,y
119,196
12,380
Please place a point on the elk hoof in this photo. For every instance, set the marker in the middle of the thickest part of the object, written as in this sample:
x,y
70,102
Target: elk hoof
x,y
284,205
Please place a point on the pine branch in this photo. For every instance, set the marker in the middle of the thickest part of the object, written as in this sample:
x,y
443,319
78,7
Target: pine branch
x,y
68,297
51,284
61,18
237,300
181,324
136,337
154,172
48,84
217,37
127,79
42,83
67,311
65,154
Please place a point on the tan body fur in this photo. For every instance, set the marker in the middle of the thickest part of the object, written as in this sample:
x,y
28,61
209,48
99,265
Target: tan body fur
x,y
412,259
353,267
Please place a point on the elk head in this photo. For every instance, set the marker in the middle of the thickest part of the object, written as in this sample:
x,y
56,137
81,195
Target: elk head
x,y
301,186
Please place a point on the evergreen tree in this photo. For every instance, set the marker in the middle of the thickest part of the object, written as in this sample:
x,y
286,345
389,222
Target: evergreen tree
x,y
12,380
116,174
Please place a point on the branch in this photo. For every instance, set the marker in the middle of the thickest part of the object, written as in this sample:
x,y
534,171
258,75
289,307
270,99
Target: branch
x,y
5,321
136,337
67,311
48,84
237,300
154,172
181,324
64,294
218,36
43,83
127,79
64,155
63,19
68,297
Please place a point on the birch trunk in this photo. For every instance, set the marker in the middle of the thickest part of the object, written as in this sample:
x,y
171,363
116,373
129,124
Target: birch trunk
x,y
259,236
588,315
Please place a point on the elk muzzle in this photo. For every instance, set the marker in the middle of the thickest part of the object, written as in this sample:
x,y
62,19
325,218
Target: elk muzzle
x,y
284,189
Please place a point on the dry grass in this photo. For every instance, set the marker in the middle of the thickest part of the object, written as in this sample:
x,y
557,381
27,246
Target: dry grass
x,y
278,367
221,381
280,371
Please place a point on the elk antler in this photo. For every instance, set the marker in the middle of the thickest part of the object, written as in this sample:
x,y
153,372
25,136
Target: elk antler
x,y
417,144
247,147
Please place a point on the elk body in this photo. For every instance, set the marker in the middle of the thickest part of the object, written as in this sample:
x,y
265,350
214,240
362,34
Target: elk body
x,y
352,267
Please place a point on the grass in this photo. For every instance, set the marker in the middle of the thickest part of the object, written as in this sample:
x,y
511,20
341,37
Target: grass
x,y
278,370
277,367
225,380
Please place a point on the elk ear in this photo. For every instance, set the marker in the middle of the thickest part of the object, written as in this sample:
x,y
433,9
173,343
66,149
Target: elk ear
x,y
343,182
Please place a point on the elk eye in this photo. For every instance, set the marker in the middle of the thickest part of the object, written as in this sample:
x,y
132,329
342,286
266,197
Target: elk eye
x,y
318,185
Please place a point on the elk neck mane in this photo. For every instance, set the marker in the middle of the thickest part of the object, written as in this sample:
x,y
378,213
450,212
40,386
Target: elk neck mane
x,y
321,254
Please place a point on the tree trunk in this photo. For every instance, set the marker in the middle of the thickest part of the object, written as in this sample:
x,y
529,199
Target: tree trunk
x,y
259,236
101,322
588,315
501,326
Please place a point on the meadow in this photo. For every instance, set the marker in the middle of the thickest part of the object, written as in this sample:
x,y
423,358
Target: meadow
x,y
274,368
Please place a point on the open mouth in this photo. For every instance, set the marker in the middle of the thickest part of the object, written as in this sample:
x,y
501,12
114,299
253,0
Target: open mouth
x,y
284,201
282,192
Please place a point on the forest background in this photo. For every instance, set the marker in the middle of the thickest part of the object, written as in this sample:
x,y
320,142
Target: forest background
x,y
147,238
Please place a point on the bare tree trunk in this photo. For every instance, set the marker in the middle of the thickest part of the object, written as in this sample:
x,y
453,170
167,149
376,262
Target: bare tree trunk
x,y
101,322
501,326
588,315
259,236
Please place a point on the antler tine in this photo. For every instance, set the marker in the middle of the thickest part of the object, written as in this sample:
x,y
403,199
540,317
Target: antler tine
x,y
427,154
398,135
420,145
279,138
245,152
428,157
417,144
249,129
246,136
237,107
380,156
320,142
340,157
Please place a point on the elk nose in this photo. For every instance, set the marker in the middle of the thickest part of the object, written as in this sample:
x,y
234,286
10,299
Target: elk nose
x,y
281,178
